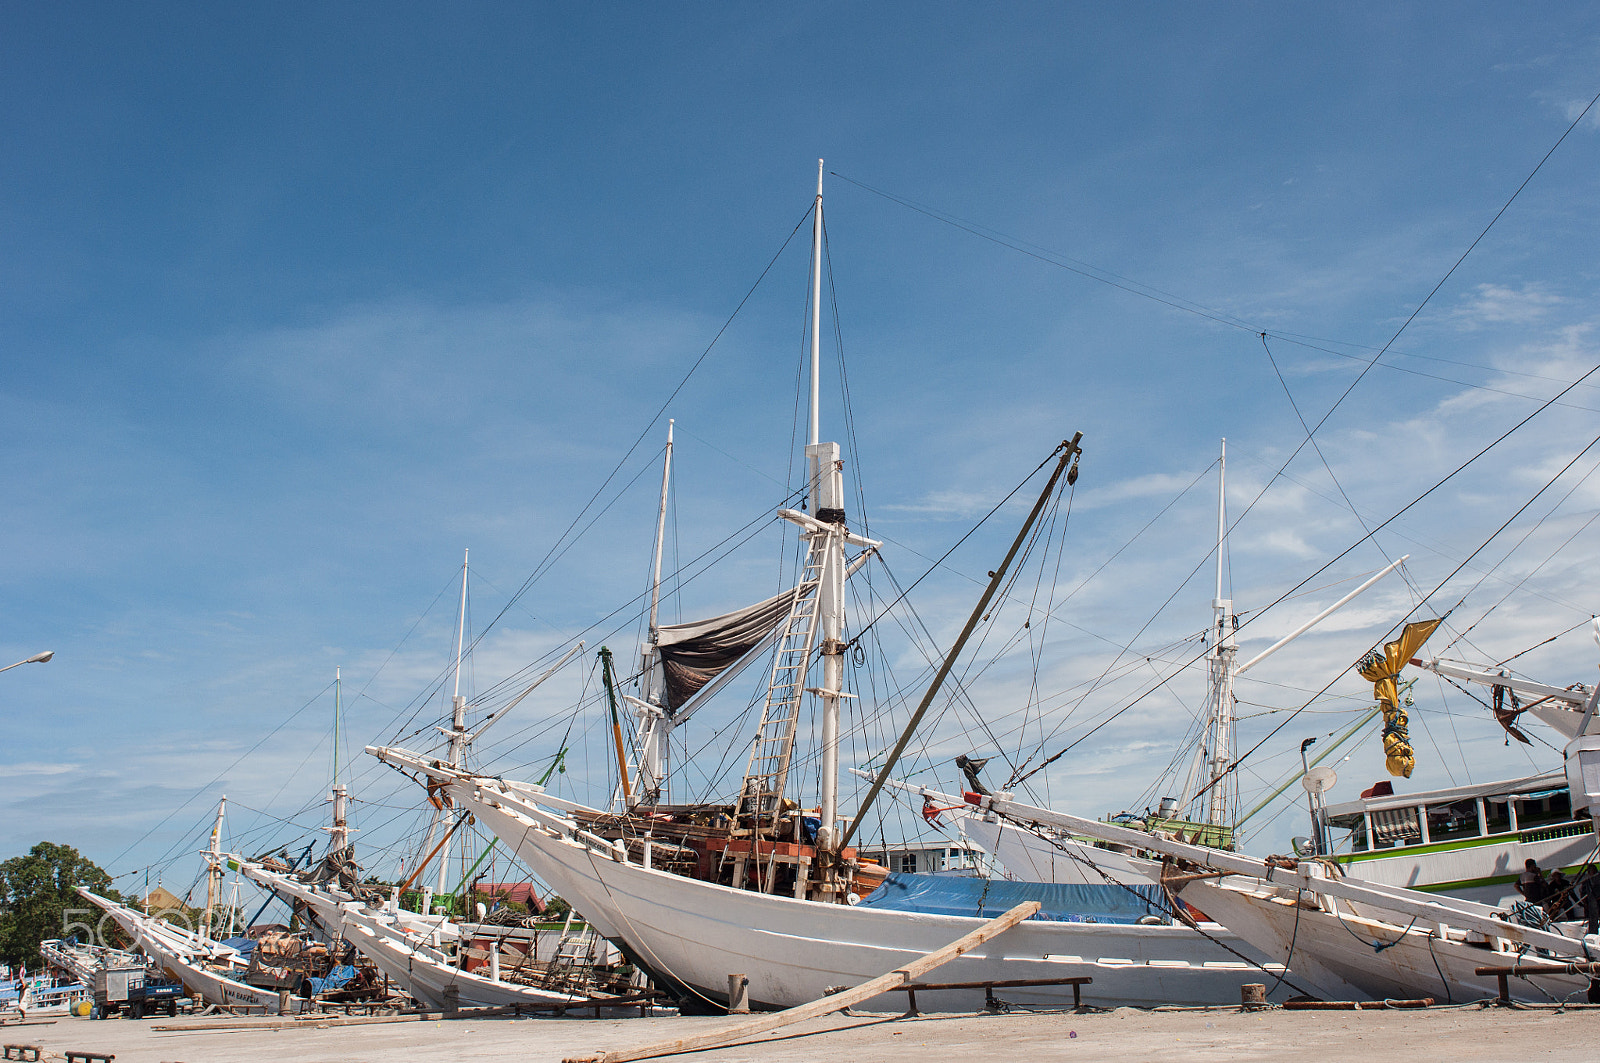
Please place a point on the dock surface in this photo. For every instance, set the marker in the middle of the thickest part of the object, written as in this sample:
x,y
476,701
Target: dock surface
x,y
1457,1035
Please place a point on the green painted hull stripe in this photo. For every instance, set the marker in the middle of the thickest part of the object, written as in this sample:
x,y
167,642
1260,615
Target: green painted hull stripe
x,y
1436,847
1475,883
1454,845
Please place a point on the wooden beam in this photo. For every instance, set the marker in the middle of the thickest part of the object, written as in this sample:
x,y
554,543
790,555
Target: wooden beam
x,y
896,978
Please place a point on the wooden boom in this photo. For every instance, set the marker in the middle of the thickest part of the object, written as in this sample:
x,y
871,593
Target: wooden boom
x,y
896,978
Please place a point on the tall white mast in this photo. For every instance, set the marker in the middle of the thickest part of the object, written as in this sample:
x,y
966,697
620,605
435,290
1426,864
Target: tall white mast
x,y
661,533
654,726
339,833
830,606
214,870
826,533
458,717
1224,649
816,320
1209,776
827,505
456,701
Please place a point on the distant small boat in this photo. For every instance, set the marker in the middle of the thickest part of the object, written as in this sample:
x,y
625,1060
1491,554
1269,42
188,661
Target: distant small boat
x,y
208,969
83,962
409,950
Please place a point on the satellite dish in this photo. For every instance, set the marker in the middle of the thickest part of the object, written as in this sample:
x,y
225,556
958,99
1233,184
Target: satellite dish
x,y
1319,780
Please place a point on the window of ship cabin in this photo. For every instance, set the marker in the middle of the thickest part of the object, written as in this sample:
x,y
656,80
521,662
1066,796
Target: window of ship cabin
x,y
1497,812
1539,809
1394,827
1458,819
908,863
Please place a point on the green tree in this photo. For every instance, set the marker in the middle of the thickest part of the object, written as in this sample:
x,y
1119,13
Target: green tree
x,y
35,892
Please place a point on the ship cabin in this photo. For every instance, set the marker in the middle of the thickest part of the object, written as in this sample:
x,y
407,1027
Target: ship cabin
x,y
949,857
1468,841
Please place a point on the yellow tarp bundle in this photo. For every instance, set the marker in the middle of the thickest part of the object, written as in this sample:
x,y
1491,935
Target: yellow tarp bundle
x,y
1383,670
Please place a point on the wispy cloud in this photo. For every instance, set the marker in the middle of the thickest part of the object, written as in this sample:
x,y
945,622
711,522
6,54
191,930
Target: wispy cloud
x,y
1149,485
1499,304
34,767
944,505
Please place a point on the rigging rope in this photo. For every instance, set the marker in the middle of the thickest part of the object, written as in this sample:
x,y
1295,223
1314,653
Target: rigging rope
x,y
970,532
1177,302
557,548
1453,572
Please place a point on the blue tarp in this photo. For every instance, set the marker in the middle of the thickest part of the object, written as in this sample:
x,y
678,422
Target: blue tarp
x,y
337,978
245,945
986,898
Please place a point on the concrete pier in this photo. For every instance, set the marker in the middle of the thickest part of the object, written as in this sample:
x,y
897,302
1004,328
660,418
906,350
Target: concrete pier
x,y
1460,1035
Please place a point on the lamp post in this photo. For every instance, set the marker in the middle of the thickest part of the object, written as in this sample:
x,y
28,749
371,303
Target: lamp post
x,y
38,658
1311,798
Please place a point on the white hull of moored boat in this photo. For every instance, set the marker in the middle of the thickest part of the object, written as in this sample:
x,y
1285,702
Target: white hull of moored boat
x,y
167,946
1331,953
432,981
1349,951
402,954
1344,938
691,935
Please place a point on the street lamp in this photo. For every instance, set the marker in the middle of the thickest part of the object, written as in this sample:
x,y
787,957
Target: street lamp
x,y
38,658
1311,798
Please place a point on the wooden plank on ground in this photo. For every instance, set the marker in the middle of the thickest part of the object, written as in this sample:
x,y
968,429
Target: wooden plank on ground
x,y
826,1005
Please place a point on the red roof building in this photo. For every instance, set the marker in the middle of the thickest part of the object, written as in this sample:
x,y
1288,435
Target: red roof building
x,y
515,892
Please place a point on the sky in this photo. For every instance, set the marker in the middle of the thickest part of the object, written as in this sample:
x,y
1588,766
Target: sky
x,y
298,303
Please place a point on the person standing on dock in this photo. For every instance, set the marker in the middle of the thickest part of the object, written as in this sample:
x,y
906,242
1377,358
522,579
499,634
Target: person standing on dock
x,y
1560,900
1588,891
1531,883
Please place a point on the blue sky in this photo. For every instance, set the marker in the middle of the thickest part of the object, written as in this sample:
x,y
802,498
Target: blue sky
x,y
299,302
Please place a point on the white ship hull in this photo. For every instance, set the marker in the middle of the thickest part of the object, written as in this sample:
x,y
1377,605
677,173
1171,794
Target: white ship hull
x,y
402,955
1344,938
691,935
1333,952
181,958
